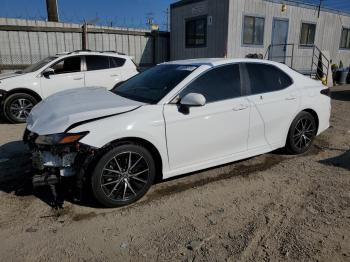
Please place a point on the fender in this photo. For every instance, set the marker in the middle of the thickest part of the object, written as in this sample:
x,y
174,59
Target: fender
x,y
23,90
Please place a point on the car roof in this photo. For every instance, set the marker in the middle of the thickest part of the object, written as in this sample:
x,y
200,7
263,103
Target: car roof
x,y
220,61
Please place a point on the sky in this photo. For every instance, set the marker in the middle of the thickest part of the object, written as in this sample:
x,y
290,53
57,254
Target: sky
x,y
124,13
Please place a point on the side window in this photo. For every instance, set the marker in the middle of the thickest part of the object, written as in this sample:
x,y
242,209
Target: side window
x,y
265,78
96,62
345,38
68,65
307,34
116,61
218,84
253,30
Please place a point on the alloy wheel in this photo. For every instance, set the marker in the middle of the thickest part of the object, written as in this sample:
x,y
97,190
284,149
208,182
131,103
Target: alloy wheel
x,y
20,108
303,133
124,176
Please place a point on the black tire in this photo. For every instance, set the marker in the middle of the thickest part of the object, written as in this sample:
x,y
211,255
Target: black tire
x,y
301,133
123,186
18,106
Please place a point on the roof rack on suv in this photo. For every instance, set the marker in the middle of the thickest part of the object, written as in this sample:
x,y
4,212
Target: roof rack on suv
x,y
63,53
88,50
81,50
112,51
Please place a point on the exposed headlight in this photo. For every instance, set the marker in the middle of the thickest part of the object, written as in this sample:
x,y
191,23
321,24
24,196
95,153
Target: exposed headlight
x,y
60,139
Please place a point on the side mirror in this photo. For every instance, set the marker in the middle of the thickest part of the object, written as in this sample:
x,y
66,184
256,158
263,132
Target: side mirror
x,y
48,71
193,99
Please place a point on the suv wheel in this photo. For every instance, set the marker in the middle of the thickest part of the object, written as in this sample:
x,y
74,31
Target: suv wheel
x,y
301,133
123,175
18,106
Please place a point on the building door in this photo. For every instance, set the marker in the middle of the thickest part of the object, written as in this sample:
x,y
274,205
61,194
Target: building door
x,y
278,49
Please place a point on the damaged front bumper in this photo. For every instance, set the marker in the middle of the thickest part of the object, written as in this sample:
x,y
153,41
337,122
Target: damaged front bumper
x,y
52,162
63,161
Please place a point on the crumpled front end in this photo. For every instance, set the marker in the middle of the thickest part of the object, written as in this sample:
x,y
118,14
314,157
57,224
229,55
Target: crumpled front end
x,y
52,160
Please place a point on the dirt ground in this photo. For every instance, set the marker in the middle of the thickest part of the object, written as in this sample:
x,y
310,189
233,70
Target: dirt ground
x,y
271,207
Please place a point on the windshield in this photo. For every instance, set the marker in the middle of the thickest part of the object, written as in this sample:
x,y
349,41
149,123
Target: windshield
x,y
152,85
39,64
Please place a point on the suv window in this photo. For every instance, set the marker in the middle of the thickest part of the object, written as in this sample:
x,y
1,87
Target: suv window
x,y
218,84
67,65
39,64
265,78
116,61
96,62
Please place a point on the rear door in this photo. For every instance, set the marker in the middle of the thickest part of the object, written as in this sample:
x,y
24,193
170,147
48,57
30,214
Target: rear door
x,y
68,74
275,101
104,71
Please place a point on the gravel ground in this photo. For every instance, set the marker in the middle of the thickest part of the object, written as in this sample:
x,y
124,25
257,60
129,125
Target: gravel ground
x,y
271,207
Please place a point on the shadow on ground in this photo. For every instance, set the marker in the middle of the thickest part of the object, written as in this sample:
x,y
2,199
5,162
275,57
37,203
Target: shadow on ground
x,y
3,120
16,178
342,161
14,165
343,95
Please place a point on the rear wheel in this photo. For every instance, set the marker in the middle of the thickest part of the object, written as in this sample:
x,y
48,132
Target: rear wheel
x,y
301,133
18,106
123,175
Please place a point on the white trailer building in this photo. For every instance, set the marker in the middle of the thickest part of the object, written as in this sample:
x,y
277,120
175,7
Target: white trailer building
x,y
298,32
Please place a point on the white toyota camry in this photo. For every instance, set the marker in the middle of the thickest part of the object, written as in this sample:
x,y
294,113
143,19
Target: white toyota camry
x,y
174,118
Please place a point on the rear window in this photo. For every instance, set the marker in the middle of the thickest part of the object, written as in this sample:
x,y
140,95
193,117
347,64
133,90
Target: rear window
x,y
116,61
266,78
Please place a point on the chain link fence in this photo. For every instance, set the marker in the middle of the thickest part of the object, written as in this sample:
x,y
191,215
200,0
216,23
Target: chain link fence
x,y
23,44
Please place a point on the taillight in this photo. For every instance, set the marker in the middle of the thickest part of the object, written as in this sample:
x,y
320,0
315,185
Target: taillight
x,y
326,92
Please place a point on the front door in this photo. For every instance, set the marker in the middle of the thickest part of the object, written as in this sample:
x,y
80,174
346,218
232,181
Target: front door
x,y
279,40
67,75
215,130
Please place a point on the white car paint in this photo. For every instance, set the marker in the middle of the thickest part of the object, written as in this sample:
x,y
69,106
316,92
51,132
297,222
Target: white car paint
x,y
210,135
46,86
59,111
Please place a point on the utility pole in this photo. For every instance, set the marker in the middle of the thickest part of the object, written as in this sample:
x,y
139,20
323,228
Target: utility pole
x,y
319,9
52,11
167,19
84,38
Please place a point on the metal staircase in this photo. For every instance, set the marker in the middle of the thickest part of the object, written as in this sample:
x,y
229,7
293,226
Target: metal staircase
x,y
310,61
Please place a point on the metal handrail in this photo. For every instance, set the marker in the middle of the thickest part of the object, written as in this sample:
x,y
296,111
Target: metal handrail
x,y
316,54
326,65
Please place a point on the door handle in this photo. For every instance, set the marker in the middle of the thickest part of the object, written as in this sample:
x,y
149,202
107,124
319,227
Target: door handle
x,y
77,78
290,98
239,107
114,75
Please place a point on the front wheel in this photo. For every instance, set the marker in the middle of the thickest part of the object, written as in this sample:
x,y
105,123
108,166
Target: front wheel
x,y
123,175
18,106
301,133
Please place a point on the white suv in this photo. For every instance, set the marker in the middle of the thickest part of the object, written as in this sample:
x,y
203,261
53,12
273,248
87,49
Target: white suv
x,y
20,91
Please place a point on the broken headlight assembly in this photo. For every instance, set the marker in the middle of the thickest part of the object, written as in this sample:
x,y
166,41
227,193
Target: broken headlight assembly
x,y
60,139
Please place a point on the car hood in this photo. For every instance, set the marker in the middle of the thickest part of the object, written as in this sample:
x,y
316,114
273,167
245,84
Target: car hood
x,y
8,75
61,110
